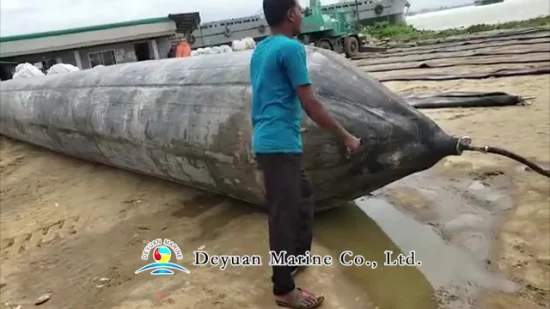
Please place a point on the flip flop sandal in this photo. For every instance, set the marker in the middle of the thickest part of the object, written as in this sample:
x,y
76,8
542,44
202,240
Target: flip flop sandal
x,y
301,303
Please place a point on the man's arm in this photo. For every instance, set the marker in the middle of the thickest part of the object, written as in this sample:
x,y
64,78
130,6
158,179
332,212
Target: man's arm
x,y
294,62
318,113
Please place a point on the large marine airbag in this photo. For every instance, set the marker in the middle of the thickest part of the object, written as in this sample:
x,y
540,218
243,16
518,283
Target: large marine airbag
x,y
188,120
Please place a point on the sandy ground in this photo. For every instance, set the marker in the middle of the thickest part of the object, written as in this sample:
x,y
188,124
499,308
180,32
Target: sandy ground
x,y
75,230
522,248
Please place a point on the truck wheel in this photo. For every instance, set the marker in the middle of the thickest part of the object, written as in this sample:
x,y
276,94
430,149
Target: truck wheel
x,y
351,46
324,44
379,9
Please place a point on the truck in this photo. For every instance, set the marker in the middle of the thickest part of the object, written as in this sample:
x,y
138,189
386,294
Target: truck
x,y
336,30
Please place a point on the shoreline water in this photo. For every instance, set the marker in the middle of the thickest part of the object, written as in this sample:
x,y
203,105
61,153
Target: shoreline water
x,y
507,11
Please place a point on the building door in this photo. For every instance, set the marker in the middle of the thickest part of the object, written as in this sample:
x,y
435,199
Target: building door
x,y
143,52
5,74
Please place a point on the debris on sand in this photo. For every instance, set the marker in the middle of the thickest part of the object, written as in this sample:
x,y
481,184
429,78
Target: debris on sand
x,y
43,298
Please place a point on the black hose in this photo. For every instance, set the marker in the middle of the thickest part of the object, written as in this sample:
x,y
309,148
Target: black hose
x,y
510,155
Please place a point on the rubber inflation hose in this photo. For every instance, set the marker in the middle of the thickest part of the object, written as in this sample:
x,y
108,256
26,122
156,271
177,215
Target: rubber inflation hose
x,y
511,155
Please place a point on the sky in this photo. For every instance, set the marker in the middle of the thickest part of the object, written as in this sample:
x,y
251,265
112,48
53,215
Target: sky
x,y
31,16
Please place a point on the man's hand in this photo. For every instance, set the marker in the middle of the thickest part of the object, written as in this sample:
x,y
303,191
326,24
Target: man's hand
x,y
353,144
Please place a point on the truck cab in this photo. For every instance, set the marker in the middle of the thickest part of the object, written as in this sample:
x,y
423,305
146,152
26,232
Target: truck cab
x,y
336,31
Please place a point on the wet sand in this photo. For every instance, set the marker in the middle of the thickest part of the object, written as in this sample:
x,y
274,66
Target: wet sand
x,y
478,223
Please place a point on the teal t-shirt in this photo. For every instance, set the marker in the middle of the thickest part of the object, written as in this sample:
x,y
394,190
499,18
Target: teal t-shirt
x,y
277,67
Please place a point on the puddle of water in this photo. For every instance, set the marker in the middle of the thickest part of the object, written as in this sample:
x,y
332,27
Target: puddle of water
x,y
348,228
442,264
453,269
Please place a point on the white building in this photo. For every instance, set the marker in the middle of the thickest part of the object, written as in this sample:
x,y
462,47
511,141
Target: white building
x,y
87,47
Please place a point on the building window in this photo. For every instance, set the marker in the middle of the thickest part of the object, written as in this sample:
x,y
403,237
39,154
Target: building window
x,y
104,58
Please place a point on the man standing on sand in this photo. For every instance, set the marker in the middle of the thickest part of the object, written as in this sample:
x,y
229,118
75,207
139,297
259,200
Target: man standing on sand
x,y
280,89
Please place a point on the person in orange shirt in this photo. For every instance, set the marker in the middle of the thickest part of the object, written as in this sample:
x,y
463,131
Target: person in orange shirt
x,y
183,49
179,48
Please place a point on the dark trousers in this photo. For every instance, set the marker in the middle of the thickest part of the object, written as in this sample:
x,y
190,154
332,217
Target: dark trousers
x,y
290,204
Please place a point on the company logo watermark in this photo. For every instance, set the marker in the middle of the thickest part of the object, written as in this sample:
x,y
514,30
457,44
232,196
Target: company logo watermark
x,y
162,253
